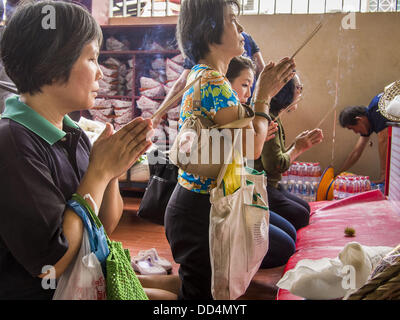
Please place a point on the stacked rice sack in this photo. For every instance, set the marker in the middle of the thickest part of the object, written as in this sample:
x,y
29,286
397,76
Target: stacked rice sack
x,y
115,76
113,44
115,72
148,107
115,111
123,113
128,78
163,74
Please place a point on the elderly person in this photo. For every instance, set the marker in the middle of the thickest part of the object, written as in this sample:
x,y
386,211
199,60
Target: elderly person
x,y
46,157
209,34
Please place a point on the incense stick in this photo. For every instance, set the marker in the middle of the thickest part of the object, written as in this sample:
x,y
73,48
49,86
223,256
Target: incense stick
x,y
326,116
8,86
308,39
161,110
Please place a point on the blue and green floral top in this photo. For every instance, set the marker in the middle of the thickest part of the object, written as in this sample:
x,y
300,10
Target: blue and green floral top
x,y
216,93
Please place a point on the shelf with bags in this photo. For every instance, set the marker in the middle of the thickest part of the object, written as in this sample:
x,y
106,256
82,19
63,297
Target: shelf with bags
x,y
145,78
140,63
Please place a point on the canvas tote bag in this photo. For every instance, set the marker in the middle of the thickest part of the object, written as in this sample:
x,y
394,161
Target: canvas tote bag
x,y
238,232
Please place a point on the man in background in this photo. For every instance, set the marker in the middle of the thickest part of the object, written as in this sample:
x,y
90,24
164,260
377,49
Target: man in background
x,y
365,121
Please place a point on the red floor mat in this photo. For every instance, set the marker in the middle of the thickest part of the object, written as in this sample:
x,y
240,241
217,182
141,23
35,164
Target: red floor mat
x,y
374,219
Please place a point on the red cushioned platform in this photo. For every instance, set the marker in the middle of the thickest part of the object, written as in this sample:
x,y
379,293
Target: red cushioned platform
x,y
374,219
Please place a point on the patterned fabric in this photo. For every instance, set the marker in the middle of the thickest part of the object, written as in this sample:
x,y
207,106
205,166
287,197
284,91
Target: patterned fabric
x,y
216,93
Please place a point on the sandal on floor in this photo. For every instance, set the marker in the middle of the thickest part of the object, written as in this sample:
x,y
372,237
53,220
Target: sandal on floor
x,y
146,265
156,258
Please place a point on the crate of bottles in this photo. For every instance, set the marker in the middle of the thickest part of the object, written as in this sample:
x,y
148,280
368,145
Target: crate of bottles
x,y
347,185
302,179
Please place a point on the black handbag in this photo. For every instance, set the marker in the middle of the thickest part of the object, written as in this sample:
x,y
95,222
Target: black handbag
x,y
162,182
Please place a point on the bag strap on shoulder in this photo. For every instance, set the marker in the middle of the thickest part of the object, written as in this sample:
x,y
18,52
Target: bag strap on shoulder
x,y
197,95
161,111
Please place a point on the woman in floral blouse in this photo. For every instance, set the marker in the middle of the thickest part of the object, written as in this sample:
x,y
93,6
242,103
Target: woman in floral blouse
x,y
209,34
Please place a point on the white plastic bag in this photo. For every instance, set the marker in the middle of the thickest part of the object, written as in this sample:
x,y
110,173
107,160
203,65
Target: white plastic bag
x,y
140,171
326,278
84,278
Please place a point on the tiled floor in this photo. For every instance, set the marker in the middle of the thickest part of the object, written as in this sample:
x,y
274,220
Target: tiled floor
x,y
137,234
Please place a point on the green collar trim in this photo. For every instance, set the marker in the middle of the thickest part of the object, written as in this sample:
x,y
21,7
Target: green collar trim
x,y
29,118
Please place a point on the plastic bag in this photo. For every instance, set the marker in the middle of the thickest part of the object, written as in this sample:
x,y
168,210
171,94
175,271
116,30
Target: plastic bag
x,y
231,180
326,278
84,278
140,170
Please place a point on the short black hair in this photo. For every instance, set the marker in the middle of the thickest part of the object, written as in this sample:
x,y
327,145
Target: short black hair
x,y
283,98
237,65
347,116
35,54
201,23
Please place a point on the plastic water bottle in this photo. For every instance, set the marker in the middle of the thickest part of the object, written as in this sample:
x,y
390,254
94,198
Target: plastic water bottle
x,y
312,173
341,187
336,188
367,183
307,172
357,185
298,189
302,168
313,195
345,188
316,172
293,171
312,178
349,187
290,186
362,183
307,191
304,172
295,190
